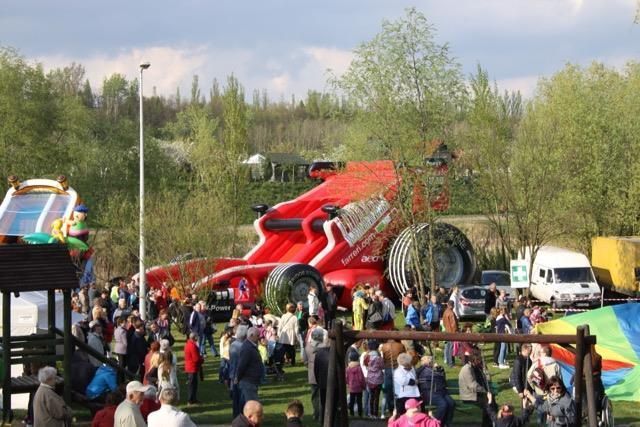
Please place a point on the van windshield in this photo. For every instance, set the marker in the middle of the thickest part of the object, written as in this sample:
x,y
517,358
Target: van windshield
x,y
573,275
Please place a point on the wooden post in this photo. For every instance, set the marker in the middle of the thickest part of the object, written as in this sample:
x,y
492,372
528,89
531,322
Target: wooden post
x,y
343,415
68,346
51,316
588,376
330,399
577,383
6,355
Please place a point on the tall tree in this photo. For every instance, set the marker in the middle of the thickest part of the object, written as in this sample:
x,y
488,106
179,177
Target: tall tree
x,y
235,148
409,90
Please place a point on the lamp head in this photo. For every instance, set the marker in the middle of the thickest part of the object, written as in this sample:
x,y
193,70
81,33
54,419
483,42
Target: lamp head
x,y
144,65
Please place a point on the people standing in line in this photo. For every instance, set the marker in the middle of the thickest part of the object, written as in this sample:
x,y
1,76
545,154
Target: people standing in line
x,y
105,416
520,306
503,327
431,314
412,318
250,369
375,377
353,349
150,402
503,302
330,304
525,324
432,382
251,416
186,308
225,344
316,342
374,312
455,298
288,334
192,362
521,365
169,415
303,324
474,389
151,363
390,351
359,308
541,370
450,323
120,345
49,409
365,393
558,408
167,374
313,301
388,312
128,412
96,342
356,384
197,323
320,370
490,298
137,349
122,310
234,357
405,383
407,300
209,331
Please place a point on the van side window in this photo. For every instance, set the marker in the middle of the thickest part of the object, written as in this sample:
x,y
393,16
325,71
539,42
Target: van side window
x,y
542,273
549,276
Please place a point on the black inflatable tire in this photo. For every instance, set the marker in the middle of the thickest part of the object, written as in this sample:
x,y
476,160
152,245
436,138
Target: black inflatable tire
x,y
290,283
458,246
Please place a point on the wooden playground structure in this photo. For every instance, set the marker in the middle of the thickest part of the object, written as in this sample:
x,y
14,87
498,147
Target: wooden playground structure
x,y
335,411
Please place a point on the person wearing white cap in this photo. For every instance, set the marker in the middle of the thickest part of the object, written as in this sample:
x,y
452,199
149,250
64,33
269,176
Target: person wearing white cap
x,y
168,415
95,341
128,412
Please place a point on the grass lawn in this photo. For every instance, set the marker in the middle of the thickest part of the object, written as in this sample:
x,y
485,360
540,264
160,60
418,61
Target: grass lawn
x,y
216,404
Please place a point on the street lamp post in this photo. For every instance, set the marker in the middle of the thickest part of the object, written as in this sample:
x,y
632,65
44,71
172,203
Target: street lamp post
x,y
141,275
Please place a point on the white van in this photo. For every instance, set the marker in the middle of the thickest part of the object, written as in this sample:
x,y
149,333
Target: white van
x,y
563,278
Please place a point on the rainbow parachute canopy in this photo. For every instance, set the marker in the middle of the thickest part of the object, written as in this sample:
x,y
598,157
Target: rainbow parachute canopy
x,y
617,331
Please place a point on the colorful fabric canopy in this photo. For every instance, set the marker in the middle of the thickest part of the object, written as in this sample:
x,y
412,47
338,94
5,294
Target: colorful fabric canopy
x,y
617,330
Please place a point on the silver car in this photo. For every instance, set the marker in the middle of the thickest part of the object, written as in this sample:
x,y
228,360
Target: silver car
x,y
472,299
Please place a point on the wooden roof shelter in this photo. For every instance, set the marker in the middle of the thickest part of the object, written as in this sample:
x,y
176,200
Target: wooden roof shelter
x,y
35,268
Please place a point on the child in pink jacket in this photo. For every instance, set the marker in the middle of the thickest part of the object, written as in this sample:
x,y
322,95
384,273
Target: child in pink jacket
x,y
413,417
355,384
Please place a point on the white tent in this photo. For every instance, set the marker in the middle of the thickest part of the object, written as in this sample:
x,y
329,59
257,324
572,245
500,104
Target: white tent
x,y
29,316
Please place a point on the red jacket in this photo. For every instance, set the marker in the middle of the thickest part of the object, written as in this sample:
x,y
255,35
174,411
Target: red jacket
x,y
192,357
104,417
148,406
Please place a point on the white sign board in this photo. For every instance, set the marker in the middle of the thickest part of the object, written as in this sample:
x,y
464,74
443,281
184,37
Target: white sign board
x,y
519,273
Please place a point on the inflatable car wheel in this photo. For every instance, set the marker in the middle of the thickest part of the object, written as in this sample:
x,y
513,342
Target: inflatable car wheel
x,y
454,257
290,283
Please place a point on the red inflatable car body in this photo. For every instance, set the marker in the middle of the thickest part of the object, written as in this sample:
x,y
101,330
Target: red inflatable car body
x,y
340,232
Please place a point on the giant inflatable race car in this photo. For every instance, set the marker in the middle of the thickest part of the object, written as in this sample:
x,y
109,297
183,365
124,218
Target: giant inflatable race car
x,y
344,232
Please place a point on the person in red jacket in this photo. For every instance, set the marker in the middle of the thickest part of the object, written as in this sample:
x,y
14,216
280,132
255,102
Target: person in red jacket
x,y
192,362
105,416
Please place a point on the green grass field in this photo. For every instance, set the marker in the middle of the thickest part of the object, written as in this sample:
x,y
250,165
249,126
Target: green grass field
x,y
216,404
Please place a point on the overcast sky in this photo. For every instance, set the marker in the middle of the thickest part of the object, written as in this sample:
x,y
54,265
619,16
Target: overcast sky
x,y
286,46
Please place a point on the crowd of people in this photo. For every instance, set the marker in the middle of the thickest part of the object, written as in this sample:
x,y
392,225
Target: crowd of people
x,y
397,380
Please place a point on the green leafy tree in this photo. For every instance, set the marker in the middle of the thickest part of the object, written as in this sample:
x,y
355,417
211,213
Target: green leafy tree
x,y
234,151
409,91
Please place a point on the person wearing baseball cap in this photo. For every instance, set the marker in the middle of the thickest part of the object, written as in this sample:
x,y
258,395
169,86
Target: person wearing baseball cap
x,y
128,412
412,416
